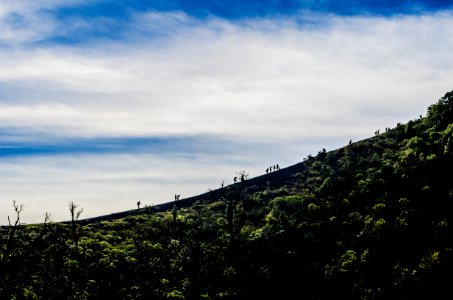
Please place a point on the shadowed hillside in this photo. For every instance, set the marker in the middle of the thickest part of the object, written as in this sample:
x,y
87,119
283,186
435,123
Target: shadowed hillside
x,y
371,220
275,179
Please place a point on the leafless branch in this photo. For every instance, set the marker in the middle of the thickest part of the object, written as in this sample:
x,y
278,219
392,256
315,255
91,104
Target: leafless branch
x,y
18,209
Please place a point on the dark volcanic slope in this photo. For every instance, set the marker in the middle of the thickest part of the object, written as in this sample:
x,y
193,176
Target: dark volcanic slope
x,y
274,179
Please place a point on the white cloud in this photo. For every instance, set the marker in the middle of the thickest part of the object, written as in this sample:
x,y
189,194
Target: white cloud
x,y
23,21
255,79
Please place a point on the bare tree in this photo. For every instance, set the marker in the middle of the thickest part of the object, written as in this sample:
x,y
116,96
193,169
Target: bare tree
x,y
9,237
15,244
234,198
174,212
244,176
231,203
75,215
18,209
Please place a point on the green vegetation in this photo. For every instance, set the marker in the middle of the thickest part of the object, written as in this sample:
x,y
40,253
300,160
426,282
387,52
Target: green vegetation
x,y
372,220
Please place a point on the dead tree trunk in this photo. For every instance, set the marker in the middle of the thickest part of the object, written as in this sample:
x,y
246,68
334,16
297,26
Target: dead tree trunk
x,y
75,214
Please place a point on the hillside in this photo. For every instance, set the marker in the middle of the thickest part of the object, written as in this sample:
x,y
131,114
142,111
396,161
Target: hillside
x,y
371,220
274,179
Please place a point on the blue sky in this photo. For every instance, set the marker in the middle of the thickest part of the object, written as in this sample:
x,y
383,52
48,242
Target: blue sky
x,y
88,21
109,102
236,9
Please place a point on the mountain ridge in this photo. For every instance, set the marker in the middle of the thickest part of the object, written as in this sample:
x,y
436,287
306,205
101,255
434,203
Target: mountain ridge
x,y
371,220
276,179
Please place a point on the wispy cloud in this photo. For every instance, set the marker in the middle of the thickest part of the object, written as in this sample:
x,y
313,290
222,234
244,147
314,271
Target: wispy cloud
x,y
25,22
291,84
253,79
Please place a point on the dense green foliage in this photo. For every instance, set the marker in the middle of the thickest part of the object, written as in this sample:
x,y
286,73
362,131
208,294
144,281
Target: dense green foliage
x,y
372,220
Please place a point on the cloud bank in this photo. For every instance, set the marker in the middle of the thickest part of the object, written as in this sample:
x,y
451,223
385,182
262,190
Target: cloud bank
x,y
301,82
252,79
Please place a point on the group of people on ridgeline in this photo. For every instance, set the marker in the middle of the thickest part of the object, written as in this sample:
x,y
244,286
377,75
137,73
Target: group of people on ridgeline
x,y
272,168
242,178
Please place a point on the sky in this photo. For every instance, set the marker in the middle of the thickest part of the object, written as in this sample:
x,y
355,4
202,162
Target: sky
x,y
108,102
